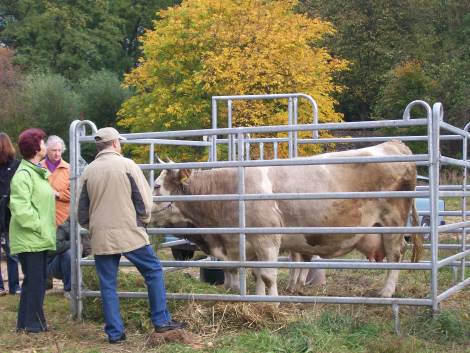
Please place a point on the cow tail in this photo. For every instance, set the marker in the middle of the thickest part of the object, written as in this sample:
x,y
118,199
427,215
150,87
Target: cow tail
x,y
416,239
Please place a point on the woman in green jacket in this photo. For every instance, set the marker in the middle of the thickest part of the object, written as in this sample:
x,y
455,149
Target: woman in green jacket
x,y
32,228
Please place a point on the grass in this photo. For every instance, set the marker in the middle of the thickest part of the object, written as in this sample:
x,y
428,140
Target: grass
x,y
251,328
242,327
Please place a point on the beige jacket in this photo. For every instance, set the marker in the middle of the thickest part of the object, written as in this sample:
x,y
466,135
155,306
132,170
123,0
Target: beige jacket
x,y
115,204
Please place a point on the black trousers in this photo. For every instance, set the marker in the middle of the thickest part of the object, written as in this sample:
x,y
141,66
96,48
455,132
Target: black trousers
x,y
31,313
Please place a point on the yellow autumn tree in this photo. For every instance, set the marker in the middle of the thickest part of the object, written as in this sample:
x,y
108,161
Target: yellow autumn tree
x,y
204,48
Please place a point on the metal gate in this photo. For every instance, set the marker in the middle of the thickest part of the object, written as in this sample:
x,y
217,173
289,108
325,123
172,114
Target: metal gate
x,y
237,142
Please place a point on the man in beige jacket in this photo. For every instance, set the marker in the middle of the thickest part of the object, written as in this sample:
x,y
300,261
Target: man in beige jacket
x,y
115,205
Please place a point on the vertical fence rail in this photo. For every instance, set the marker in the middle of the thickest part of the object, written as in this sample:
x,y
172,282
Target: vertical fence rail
x,y
434,200
230,151
464,203
295,121
152,160
77,129
290,122
213,152
241,215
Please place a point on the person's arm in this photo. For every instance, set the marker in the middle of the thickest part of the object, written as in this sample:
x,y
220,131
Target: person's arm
x,y
21,206
84,206
63,193
141,194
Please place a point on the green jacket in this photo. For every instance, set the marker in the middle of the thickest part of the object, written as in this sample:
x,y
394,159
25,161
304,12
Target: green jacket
x,y
32,206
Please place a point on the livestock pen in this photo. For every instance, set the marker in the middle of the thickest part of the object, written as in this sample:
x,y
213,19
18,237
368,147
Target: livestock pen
x,y
231,147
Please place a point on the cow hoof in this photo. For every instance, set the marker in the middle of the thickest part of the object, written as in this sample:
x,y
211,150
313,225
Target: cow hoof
x,y
385,294
290,290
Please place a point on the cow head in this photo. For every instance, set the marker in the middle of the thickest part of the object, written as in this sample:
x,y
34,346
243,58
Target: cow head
x,y
170,182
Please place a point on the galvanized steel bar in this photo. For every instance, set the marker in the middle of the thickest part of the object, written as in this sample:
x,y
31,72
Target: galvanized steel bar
x,y
454,193
332,264
325,140
453,161
425,105
295,122
76,129
458,287
451,259
434,168
450,128
291,230
281,298
271,129
164,142
463,240
291,133
152,161
241,215
229,125
453,226
284,162
213,155
293,196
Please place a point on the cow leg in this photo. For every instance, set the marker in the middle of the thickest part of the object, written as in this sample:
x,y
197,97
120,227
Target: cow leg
x,y
302,275
393,246
316,276
293,273
266,275
232,280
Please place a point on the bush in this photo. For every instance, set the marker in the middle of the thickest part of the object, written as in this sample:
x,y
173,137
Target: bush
x,y
101,96
49,103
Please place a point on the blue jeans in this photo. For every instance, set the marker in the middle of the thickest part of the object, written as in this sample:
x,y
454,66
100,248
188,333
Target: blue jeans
x,y
30,311
145,260
12,269
60,267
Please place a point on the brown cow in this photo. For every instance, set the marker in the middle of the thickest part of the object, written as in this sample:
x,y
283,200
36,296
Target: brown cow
x,y
392,212
208,214
304,213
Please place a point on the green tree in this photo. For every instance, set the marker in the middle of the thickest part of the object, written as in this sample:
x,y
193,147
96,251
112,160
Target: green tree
x,y
70,38
136,16
76,38
49,103
405,83
10,81
207,47
377,36
101,96
374,36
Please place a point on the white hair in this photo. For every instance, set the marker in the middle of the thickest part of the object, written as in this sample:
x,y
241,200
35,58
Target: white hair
x,y
53,139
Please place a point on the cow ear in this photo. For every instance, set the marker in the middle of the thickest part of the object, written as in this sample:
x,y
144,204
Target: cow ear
x,y
183,175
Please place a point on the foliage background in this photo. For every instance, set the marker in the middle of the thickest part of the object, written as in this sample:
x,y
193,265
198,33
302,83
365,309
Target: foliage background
x,y
397,51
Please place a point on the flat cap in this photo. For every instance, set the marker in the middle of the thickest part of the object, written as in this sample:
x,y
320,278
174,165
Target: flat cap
x,y
108,134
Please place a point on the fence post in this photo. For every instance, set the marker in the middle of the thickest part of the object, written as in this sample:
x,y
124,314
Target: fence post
x,y
434,199
241,214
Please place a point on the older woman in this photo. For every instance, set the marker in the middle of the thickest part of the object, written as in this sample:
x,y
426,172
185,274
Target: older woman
x,y
60,176
32,228
8,166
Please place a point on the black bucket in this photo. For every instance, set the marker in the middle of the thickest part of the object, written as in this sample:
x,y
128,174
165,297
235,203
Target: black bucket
x,y
212,275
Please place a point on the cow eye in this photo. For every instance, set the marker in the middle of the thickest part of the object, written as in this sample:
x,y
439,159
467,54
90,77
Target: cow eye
x,y
157,187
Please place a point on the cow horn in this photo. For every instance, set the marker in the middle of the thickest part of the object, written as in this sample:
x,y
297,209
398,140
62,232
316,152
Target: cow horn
x,y
160,161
